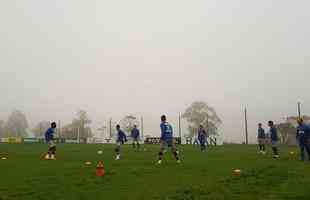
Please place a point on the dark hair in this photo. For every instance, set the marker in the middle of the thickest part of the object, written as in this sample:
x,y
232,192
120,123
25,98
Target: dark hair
x,y
260,124
118,126
163,118
53,125
270,122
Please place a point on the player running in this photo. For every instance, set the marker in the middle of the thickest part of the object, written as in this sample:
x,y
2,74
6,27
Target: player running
x,y
302,136
121,139
49,138
135,134
202,137
261,137
274,139
166,139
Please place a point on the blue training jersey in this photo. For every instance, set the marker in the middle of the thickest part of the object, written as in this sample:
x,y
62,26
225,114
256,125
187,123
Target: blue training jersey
x,y
135,133
49,134
274,134
166,131
202,134
261,133
303,133
121,136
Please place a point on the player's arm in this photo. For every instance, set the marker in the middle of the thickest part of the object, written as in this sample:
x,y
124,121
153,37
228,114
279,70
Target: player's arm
x,y
162,129
297,133
125,137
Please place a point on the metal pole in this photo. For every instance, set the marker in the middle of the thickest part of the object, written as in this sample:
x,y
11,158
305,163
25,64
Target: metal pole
x,y
110,124
207,122
78,132
246,126
59,129
142,128
299,110
180,129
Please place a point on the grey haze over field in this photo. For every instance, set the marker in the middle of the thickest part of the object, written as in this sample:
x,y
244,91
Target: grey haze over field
x,y
141,57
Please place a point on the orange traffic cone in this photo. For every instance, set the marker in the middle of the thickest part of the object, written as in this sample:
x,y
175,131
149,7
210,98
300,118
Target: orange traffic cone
x,y
100,169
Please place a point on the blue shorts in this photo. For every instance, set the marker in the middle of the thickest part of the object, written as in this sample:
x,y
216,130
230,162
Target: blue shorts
x,y
274,143
167,142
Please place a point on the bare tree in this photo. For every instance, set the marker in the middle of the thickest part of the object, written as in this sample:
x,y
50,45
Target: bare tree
x,y
200,113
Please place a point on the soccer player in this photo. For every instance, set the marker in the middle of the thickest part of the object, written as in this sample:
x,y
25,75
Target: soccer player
x,y
302,136
135,134
166,139
261,137
49,138
274,139
121,139
202,137
196,142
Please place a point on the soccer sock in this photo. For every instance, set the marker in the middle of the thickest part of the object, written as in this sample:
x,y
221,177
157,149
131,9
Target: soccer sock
x,y
175,153
160,155
53,150
263,147
117,151
138,144
275,150
260,147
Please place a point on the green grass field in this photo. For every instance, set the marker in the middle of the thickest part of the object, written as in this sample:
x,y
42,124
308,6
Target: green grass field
x,y
201,175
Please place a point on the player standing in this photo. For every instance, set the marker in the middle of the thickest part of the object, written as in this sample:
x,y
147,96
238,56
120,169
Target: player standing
x,y
302,136
121,139
135,134
49,138
261,137
202,137
166,139
274,139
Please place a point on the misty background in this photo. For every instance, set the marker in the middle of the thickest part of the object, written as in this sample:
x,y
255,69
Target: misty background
x,y
147,58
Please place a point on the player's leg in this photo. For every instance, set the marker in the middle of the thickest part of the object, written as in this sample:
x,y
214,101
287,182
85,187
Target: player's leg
x,y
161,151
53,150
118,151
302,150
260,147
175,151
307,146
50,150
138,144
275,149
264,145
202,145
134,144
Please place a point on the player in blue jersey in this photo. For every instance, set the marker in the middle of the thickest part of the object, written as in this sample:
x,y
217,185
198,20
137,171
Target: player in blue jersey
x,y
274,139
166,139
120,139
302,136
49,138
135,134
261,138
202,137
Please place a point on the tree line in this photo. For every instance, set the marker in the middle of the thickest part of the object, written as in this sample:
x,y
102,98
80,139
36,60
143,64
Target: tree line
x,y
198,113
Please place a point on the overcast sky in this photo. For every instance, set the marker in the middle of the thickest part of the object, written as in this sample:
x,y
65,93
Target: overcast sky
x,y
143,57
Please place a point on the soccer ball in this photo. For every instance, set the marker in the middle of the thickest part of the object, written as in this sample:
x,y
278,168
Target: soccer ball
x,y
100,152
292,152
3,158
88,163
237,172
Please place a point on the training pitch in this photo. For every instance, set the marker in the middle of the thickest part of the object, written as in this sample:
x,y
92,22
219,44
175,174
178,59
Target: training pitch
x,y
136,176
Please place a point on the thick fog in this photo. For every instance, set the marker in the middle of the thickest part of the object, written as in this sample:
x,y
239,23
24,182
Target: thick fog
x,y
146,58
